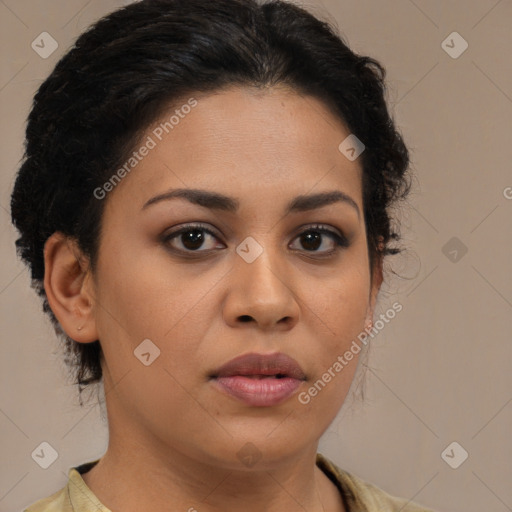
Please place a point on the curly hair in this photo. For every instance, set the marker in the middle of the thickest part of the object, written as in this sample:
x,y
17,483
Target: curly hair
x,y
132,64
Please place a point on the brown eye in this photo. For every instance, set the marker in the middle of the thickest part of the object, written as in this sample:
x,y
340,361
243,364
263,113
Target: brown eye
x,y
191,238
313,238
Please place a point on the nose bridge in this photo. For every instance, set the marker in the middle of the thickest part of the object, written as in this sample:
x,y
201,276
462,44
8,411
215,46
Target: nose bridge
x,y
260,264
260,289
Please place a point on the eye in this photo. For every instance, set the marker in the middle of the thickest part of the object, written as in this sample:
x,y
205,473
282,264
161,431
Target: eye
x,y
314,237
190,237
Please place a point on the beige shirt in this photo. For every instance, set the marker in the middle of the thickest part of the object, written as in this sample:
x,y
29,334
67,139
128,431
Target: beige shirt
x,y
358,495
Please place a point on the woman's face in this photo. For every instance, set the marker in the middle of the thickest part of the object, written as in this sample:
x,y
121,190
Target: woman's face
x,y
250,279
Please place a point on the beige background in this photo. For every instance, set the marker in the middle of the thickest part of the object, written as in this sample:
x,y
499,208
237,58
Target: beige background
x,y
440,371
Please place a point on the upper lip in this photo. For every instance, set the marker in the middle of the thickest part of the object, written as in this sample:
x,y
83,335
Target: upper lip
x,y
261,364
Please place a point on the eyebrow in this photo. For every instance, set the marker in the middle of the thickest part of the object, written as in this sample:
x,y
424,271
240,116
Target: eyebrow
x,y
217,201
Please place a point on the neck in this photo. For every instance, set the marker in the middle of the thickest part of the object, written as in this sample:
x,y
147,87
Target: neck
x,y
129,478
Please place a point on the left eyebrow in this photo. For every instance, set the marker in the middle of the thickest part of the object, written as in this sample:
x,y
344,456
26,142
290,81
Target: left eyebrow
x,y
216,201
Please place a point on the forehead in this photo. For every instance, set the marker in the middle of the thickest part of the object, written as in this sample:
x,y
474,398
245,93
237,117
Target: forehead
x,y
246,141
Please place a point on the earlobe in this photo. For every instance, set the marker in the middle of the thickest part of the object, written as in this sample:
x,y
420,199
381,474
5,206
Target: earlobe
x,y
66,284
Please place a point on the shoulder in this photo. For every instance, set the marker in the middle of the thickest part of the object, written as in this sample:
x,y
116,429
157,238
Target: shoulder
x,y
74,497
364,496
377,499
57,502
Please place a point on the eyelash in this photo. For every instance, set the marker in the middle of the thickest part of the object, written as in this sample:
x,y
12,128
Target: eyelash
x,y
340,240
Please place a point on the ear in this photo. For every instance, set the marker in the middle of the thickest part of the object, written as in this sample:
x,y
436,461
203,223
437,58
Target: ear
x,y
69,287
377,278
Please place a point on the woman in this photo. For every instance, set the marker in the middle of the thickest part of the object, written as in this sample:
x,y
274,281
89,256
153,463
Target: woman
x,y
204,206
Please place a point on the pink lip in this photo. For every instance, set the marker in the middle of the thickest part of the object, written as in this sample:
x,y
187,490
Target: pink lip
x,y
260,380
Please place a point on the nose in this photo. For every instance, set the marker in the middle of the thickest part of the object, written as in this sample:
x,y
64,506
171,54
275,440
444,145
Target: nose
x,y
261,294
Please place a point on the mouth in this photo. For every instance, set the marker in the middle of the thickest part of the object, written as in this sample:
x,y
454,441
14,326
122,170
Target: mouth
x,y
259,380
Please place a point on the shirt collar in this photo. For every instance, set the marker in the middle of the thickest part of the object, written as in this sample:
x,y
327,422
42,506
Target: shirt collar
x,y
82,498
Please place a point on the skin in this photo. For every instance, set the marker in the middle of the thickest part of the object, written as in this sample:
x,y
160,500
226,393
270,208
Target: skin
x,y
173,436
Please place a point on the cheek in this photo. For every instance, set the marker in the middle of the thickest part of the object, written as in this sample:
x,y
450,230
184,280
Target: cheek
x,y
342,302
134,293
336,356
340,311
139,299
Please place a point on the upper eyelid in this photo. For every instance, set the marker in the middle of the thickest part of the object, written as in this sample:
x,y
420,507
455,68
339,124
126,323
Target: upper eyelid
x,y
320,226
191,226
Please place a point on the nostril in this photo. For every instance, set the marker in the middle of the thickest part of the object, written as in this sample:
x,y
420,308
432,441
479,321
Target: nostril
x,y
245,318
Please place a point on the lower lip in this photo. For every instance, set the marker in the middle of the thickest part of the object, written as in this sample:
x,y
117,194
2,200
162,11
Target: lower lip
x,y
259,392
